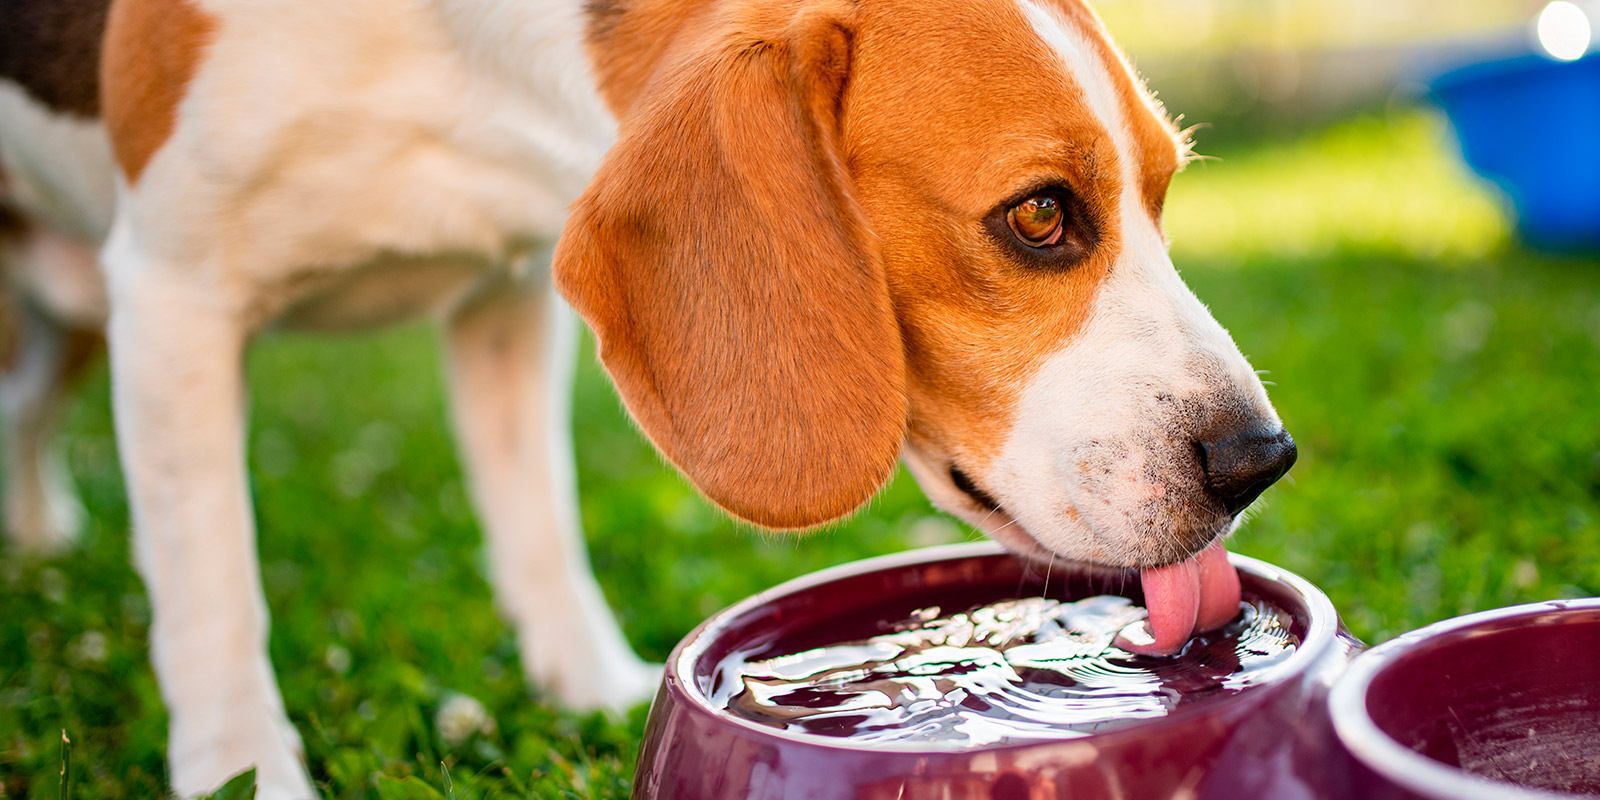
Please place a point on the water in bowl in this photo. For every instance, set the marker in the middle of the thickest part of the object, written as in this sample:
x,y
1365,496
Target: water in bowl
x,y
1019,670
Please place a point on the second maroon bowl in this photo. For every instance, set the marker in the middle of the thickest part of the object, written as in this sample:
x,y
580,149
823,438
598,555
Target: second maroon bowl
x,y
1499,705
1269,741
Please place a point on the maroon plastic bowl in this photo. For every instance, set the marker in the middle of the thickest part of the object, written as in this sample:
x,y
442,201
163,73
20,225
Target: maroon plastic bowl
x,y
1493,706
1268,742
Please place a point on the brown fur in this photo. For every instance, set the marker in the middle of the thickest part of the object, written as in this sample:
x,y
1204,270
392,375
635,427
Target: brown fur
x,y
967,111
785,170
944,131
629,40
10,330
11,221
152,49
52,49
734,286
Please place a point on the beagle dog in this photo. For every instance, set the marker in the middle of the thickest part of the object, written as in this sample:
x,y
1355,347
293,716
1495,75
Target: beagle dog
x,y
813,237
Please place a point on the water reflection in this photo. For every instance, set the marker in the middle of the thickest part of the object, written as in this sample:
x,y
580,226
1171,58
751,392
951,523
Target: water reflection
x,y
1015,670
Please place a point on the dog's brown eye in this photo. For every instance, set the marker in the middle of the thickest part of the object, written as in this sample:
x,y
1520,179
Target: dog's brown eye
x,y
1036,220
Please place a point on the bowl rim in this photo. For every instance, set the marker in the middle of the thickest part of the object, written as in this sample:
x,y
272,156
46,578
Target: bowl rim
x,y
1370,745
1321,634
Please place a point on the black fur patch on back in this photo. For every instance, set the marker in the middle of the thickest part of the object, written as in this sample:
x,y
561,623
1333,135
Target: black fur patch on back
x,y
52,49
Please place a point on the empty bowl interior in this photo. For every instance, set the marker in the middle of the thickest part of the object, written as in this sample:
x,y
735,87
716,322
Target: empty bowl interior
x,y
1510,697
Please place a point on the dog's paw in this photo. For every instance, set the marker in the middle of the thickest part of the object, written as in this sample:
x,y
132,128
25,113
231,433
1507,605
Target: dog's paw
x,y
614,688
270,745
644,682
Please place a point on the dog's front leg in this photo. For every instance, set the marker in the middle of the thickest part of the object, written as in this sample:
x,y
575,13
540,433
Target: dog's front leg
x,y
510,357
178,391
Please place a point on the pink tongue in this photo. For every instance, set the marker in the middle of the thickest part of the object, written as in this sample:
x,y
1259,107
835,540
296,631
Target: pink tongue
x,y
1219,590
1183,599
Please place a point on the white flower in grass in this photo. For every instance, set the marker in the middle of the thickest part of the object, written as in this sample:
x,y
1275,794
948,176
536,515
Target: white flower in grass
x,y
90,648
337,658
460,716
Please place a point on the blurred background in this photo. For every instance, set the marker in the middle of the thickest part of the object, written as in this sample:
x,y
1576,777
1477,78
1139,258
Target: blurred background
x,y
1437,367
1286,64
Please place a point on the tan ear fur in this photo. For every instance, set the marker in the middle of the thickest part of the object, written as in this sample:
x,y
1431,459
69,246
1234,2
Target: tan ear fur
x,y
732,281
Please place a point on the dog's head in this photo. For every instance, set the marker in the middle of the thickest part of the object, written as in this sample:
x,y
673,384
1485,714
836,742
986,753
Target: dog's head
x,y
834,233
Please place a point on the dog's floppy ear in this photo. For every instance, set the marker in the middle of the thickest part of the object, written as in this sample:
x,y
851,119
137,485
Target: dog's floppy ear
x,y
732,281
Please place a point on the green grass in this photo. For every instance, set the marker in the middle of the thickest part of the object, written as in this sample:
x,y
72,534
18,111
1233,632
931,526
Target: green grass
x,y
1439,381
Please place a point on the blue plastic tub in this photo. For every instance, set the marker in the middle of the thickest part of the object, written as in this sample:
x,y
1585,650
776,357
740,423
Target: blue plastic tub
x,y
1532,126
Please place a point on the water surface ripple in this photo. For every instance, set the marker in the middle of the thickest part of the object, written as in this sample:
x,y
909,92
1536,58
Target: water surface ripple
x,y
1019,670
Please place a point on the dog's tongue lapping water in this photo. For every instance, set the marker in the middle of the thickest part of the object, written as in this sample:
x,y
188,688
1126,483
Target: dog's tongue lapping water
x,y
1022,670
1190,597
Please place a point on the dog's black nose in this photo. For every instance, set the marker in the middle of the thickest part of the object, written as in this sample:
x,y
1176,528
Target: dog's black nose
x,y
1241,467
